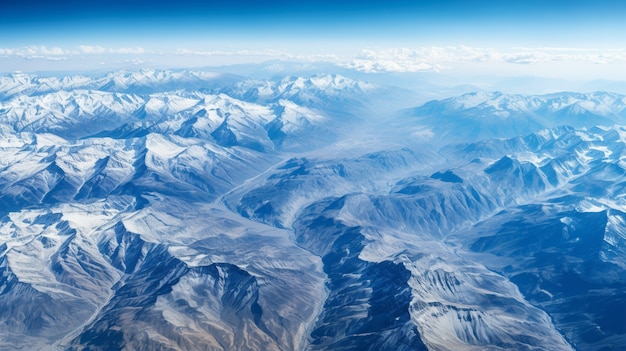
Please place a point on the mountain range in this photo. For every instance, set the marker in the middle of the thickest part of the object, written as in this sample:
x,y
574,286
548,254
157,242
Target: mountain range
x,y
179,210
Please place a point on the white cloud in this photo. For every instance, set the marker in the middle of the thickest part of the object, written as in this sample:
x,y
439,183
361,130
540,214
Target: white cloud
x,y
135,62
399,60
44,52
91,49
33,52
55,51
419,59
435,58
210,53
128,51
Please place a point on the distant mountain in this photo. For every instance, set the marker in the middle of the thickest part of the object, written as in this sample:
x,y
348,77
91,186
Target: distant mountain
x,y
475,116
259,115
145,81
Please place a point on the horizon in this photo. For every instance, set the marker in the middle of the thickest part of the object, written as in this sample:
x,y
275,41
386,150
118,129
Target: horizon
x,y
574,41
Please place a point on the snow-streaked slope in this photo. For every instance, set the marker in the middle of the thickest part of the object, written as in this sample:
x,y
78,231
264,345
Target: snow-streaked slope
x,y
204,277
112,231
121,278
458,301
96,168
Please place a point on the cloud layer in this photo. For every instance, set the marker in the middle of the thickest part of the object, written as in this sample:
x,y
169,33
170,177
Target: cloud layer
x,y
57,53
437,58
427,58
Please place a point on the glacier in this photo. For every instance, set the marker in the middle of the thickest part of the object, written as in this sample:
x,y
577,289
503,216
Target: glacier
x,y
179,210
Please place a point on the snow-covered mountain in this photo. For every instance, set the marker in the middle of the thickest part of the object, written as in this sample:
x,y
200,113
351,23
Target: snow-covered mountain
x,y
162,210
145,81
486,115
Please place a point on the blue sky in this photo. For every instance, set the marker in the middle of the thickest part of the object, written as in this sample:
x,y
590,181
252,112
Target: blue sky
x,y
381,35
138,22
